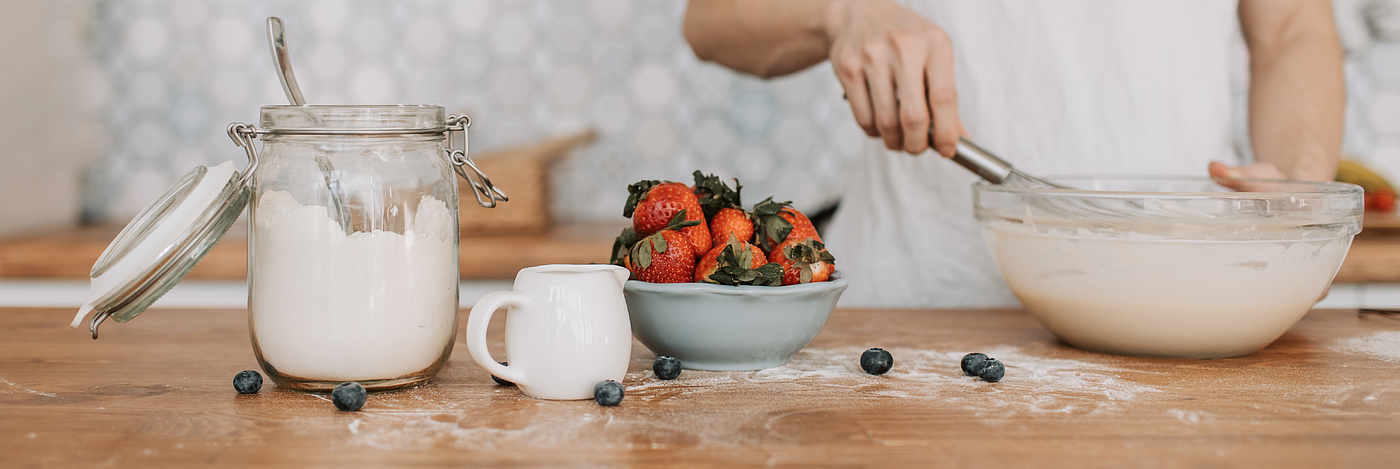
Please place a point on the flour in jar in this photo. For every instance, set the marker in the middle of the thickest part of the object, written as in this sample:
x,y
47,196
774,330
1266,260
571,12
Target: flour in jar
x,y
328,306
1150,295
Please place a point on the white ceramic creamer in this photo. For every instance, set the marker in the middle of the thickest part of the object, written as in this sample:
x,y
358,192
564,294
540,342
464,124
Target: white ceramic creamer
x,y
567,329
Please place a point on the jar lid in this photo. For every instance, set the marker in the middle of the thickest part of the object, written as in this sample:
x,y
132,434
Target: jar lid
x,y
360,120
164,242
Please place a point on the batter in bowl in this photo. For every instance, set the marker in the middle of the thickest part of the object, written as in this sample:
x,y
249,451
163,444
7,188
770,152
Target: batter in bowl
x,y
1134,294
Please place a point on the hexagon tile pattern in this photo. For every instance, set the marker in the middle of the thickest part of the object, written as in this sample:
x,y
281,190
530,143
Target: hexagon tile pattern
x,y
524,70
180,71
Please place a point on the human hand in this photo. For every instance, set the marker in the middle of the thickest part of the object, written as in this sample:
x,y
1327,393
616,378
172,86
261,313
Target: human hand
x,y
1229,176
897,70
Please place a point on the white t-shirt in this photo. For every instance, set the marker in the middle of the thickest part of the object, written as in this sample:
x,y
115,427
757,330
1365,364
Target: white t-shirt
x,y
1054,87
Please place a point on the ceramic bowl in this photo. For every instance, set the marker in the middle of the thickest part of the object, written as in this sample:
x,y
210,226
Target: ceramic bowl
x,y
1169,267
728,328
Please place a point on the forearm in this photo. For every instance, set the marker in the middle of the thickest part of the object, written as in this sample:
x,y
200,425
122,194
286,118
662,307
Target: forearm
x,y
1296,94
764,38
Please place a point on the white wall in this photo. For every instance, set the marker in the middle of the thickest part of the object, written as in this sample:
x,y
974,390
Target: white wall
x,y
49,95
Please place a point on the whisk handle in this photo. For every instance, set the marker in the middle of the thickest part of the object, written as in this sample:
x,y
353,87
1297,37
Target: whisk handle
x,y
982,162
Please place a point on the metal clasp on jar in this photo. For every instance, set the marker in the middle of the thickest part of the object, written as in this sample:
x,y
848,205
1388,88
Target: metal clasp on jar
x,y
486,193
243,135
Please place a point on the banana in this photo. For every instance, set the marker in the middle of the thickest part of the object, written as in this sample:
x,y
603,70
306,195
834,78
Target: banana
x,y
1354,172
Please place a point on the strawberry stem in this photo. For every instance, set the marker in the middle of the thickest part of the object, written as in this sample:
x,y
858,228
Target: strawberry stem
x,y
622,245
770,228
714,194
636,192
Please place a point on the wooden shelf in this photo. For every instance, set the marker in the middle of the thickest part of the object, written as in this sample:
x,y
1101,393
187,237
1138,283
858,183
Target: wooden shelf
x,y
71,254
1375,253
1374,256
1371,260
1386,222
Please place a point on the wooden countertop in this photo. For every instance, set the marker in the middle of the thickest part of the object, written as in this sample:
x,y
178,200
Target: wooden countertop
x,y
156,392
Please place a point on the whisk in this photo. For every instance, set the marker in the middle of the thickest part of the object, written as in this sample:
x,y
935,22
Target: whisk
x,y
1102,213
996,170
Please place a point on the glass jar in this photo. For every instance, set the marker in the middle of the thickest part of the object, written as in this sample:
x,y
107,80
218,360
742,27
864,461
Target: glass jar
x,y
353,245
352,252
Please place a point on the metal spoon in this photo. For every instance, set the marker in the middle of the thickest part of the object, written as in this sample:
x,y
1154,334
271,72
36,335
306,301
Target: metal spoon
x,y
277,38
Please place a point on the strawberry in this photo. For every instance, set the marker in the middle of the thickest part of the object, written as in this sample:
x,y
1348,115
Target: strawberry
x,y
724,207
737,263
777,223
664,256
1381,202
651,204
803,261
730,222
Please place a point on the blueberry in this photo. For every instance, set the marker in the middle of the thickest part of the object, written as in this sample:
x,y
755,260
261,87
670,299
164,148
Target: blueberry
x,y
666,367
972,363
349,396
501,381
876,361
992,370
247,382
608,393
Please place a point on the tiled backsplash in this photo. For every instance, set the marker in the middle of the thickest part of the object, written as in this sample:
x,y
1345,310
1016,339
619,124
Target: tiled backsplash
x,y
1373,107
524,70
180,71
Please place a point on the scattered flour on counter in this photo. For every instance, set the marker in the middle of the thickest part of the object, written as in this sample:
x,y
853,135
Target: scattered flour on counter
x,y
11,387
473,419
1032,384
1384,345
735,409
1191,416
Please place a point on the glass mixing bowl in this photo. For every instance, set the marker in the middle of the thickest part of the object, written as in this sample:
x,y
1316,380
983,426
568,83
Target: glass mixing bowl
x,y
1169,266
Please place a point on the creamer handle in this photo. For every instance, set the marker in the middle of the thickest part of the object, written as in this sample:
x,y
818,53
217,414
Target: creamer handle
x,y
478,320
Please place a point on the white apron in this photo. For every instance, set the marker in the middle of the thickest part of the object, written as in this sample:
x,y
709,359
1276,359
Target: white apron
x,y
1055,87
